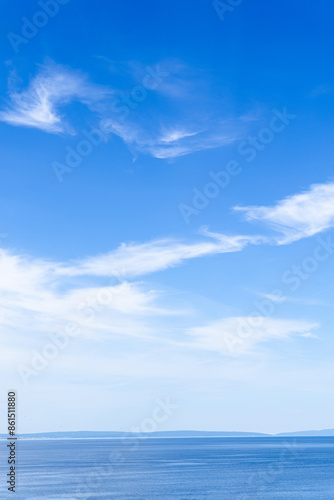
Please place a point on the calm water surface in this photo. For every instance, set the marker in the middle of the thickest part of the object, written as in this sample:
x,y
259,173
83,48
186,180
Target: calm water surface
x,y
174,469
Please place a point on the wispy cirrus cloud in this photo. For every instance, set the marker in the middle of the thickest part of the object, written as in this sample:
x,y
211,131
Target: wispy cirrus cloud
x,y
179,118
297,216
39,296
167,134
46,305
280,299
240,335
130,260
174,115
36,301
186,143
39,104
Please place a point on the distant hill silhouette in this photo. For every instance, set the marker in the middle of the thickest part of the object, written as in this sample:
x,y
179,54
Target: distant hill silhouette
x,y
324,433
168,434
162,434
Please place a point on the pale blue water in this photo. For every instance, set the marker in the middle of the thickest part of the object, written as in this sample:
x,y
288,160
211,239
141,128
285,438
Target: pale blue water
x,y
175,469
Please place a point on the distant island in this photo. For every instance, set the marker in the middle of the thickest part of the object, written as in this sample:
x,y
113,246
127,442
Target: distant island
x,y
167,434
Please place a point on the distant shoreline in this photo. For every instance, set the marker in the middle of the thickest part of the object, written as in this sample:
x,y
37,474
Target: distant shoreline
x,y
164,434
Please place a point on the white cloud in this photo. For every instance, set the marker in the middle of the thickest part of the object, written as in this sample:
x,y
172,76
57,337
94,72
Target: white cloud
x,y
280,299
273,298
239,335
298,216
38,295
179,140
175,134
180,119
309,335
38,105
35,299
131,260
125,328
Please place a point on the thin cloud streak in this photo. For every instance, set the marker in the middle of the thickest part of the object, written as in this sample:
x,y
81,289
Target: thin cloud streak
x,y
39,296
131,260
176,127
239,335
39,301
297,216
177,142
38,106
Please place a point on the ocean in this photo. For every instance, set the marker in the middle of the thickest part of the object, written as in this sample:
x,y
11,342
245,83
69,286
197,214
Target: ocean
x,y
172,468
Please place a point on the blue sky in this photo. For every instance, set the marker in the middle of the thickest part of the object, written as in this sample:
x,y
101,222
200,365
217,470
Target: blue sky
x,y
167,214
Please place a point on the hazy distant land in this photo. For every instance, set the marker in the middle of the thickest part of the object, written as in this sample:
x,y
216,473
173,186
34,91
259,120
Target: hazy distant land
x,y
167,434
